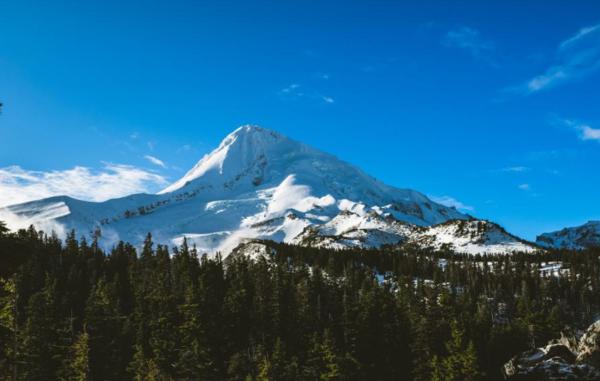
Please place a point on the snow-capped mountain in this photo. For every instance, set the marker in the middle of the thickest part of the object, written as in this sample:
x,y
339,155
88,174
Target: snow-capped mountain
x,y
258,184
579,237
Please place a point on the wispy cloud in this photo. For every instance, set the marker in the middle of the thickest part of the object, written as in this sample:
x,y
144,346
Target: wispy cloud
x,y
585,131
184,148
295,91
292,89
516,169
156,161
470,40
113,180
524,187
451,202
579,35
576,57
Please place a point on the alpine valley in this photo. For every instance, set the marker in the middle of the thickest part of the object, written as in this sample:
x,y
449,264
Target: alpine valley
x,y
259,184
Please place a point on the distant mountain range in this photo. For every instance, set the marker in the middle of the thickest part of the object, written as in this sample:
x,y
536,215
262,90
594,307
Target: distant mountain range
x,y
579,237
259,184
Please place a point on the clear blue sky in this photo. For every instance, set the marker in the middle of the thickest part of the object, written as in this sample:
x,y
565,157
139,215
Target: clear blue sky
x,y
495,104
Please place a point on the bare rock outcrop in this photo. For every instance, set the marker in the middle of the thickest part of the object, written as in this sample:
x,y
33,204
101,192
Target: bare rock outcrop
x,y
570,358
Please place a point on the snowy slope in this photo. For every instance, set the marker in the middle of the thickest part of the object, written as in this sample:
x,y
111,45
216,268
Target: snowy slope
x,y
256,184
471,237
580,237
373,230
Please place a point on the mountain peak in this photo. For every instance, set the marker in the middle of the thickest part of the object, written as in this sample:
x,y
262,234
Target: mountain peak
x,y
242,152
253,129
251,134
253,139
259,184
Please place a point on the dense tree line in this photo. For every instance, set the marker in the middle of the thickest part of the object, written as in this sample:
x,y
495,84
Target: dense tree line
x,y
70,311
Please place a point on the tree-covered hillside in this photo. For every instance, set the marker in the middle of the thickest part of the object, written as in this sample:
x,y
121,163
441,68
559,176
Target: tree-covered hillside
x,y
70,311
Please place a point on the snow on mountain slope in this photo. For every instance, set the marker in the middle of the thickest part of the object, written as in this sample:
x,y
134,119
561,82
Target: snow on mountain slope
x,y
257,184
579,237
374,230
253,158
356,229
471,237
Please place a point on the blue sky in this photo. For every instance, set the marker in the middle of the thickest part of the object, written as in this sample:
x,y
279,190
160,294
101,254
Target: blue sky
x,y
493,104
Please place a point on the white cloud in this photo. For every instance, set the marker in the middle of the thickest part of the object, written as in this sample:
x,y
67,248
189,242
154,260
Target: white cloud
x,y
577,57
15,222
451,202
579,35
291,89
156,161
586,132
296,92
551,76
113,180
524,187
589,133
574,67
516,169
470,40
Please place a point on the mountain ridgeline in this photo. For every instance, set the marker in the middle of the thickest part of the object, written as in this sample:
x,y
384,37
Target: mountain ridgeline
x,y
577,238
258,184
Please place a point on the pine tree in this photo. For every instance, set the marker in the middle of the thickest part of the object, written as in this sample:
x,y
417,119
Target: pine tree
x,y
8,327
104,327
193,361
3,229
41,339
144,368
77,364
460,364
330,359
162,314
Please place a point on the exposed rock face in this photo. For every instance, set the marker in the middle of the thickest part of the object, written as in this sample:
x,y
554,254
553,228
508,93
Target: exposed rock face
x,y
589,346
254,250
564,359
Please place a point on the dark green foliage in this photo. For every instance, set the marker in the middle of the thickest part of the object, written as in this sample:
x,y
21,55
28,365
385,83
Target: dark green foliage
x,y
460,361
69,311
76,366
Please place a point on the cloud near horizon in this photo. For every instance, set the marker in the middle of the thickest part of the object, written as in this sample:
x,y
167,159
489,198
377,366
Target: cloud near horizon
x,y
19,185
451,202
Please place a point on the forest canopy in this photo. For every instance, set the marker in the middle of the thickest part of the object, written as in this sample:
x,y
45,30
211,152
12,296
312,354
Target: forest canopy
x,y
71,311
